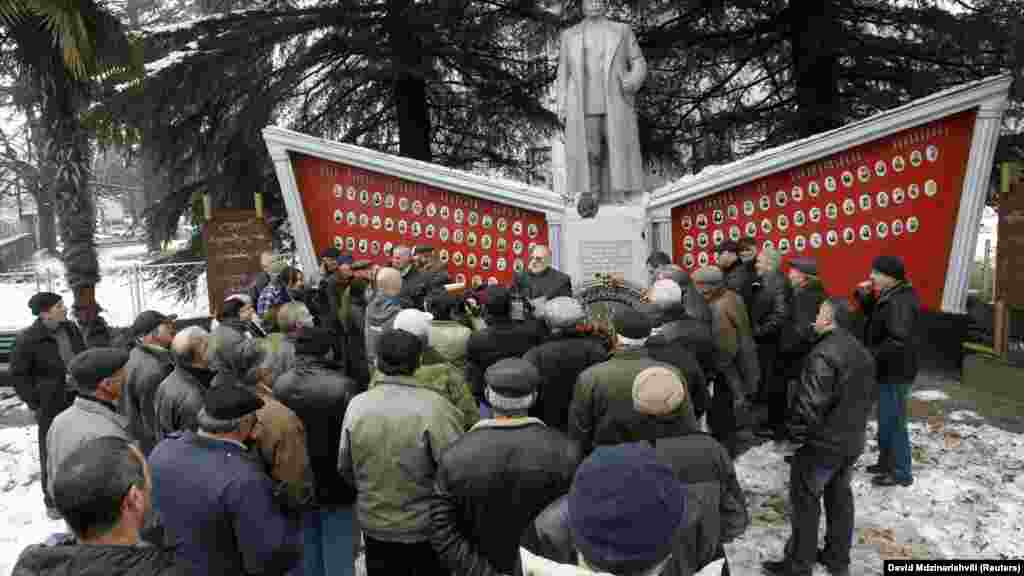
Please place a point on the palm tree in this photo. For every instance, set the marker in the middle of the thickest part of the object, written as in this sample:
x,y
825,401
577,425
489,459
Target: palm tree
x,y
60,47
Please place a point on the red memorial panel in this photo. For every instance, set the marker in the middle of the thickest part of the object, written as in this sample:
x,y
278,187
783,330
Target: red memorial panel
x,y
897,195
369,213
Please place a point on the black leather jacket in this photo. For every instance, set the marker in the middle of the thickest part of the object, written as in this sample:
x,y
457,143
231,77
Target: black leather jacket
x,y
490,486
560,361
890,331
834,396
770,310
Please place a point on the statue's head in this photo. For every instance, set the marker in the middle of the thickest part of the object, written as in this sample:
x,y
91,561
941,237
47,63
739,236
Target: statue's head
x,y
594,8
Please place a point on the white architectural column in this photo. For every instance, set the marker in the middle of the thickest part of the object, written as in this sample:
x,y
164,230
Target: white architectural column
x,y
554,220
296,214
660,234
972,204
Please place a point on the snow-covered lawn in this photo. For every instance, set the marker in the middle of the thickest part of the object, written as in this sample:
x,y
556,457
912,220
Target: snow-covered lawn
x,y
967,500
116,292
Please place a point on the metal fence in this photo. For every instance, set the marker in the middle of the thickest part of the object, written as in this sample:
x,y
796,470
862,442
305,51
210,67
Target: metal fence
x,y
123,291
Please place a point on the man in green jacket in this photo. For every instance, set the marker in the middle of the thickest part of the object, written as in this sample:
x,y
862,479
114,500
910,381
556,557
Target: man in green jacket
x,y
392,437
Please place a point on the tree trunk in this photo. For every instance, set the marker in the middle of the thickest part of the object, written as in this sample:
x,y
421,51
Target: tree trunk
x,y
67,151
815,35
410,66
46,224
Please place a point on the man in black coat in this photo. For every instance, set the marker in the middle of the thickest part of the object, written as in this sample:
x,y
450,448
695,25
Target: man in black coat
x,y
798,339
770,318
39,367
681,341
830,413
103,492
890,335
502,338
561,359
541,280
319,393
739,276
495,480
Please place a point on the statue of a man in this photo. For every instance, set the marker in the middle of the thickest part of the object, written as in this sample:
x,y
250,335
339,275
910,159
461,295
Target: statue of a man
x,y
600,70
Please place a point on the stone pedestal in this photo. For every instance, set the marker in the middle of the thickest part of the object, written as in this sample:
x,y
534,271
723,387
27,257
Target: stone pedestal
x,y
611,242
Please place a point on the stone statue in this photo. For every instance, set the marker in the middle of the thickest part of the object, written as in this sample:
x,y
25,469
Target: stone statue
x,y
600,70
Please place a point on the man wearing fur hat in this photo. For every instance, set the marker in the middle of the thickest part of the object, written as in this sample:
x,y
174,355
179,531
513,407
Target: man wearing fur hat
x,y
737,369
562,358
39,367
602,405
509,468
892,309
216,502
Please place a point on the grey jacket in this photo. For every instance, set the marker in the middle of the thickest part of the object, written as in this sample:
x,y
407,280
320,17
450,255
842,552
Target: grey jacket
x,y
392,439
86,419
179,398
380,316
146,369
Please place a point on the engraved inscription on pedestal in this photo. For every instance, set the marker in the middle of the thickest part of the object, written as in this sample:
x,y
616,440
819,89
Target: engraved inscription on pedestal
x,y
605,256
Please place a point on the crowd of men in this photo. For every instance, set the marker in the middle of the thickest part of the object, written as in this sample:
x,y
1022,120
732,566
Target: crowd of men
x,y
389,413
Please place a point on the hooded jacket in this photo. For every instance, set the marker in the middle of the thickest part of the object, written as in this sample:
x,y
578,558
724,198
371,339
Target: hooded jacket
x,y
380,317
66,558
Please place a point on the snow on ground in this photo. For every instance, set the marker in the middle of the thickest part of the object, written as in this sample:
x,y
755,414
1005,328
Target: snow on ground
x,y
930,395
116,291
967,500
22,513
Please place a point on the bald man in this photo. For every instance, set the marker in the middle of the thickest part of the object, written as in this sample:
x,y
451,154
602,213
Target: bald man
x,y
541,280
381,312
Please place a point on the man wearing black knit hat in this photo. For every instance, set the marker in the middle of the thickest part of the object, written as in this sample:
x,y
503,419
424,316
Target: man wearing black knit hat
x,y
508,468
39,366
892,309
213,496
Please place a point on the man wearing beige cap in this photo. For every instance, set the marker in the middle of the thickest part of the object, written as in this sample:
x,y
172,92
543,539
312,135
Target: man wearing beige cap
x,y
602,410
738,371
700,463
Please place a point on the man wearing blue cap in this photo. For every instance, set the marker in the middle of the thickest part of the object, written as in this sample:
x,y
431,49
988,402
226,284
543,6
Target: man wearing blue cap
x,y
607,525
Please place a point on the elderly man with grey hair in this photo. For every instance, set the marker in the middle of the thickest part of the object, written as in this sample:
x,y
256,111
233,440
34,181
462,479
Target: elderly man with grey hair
x,y
771,316
561,359
180,396
692,300
381,312
680,340
736,367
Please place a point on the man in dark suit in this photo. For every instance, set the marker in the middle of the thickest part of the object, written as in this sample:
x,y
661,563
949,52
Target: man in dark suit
x,y
541,282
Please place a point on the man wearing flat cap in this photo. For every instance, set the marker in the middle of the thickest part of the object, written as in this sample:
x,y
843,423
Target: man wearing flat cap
x,y
798,339
39,367
344,314
494,481
215,499
736,364
892,309
150,362
98,376
602,410
561,359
